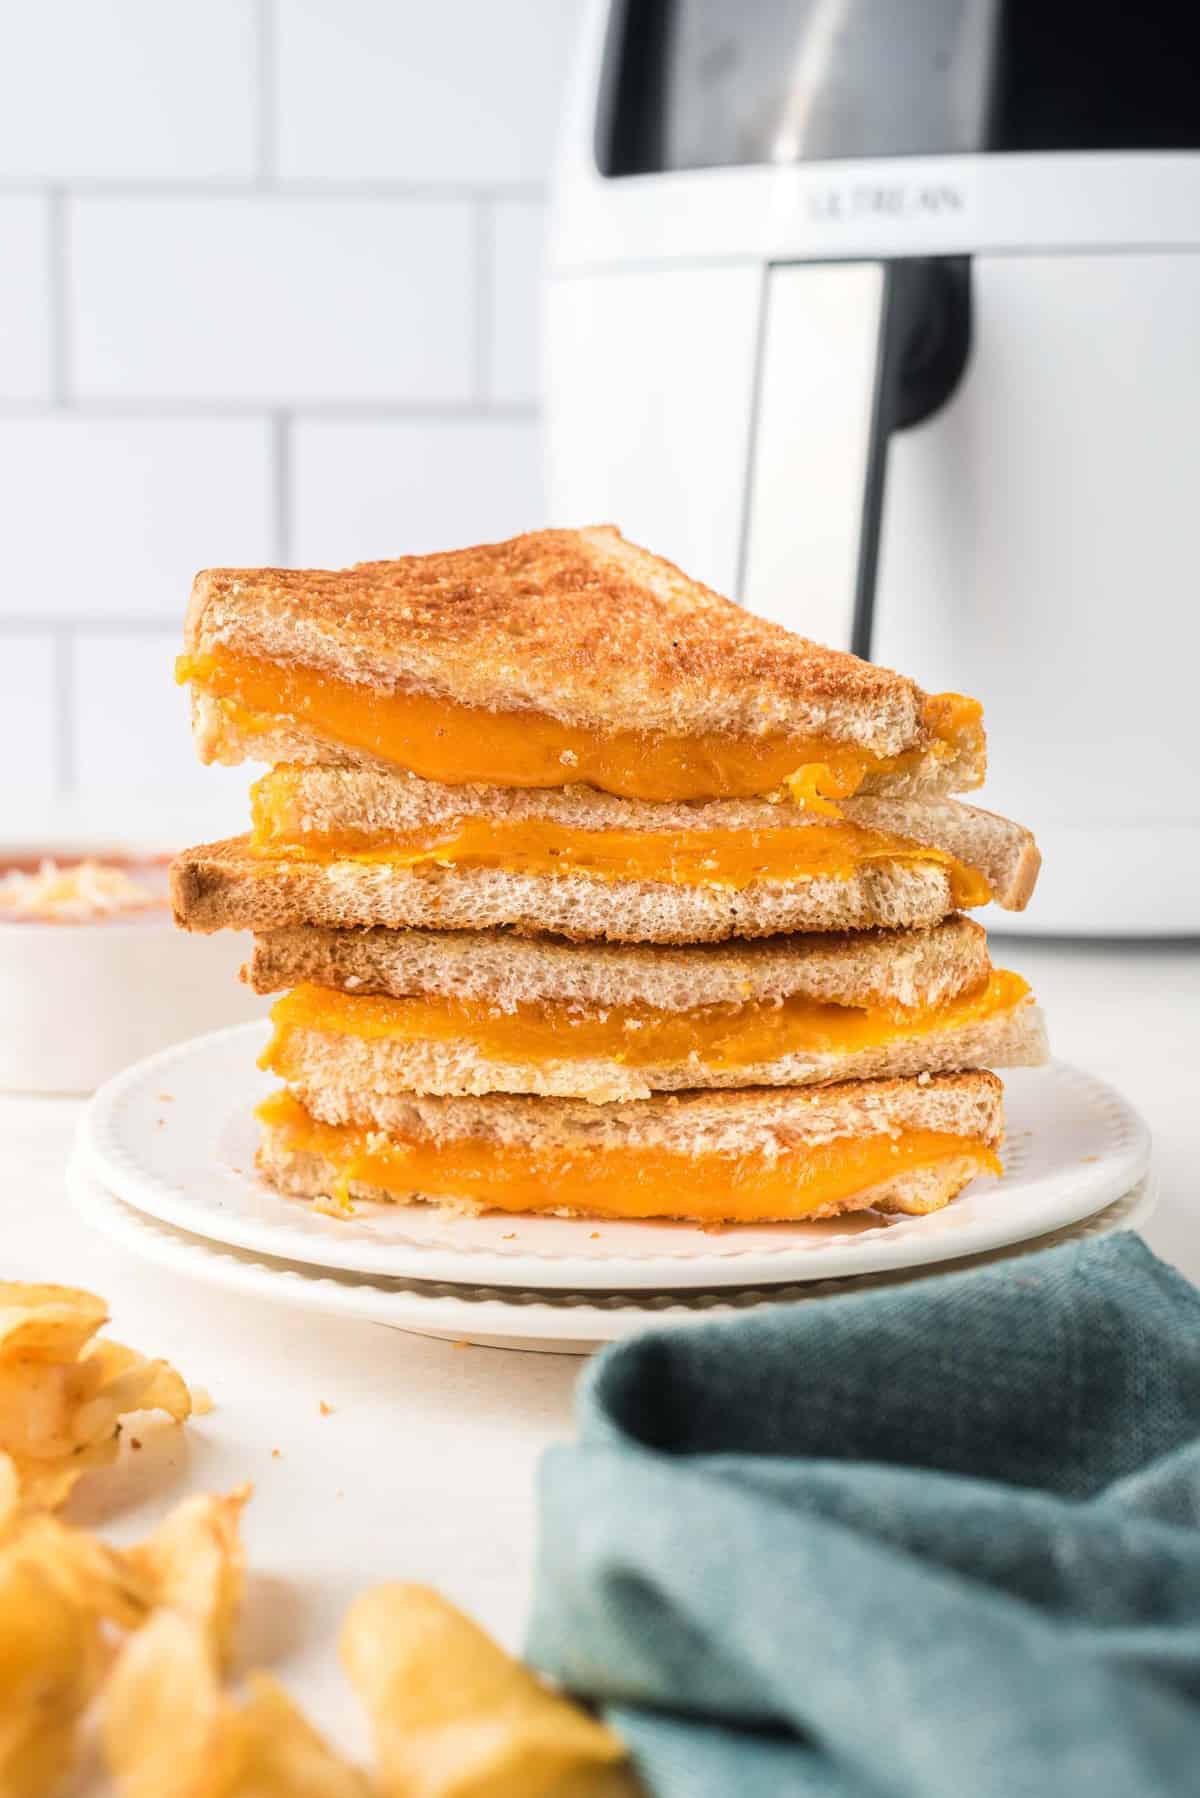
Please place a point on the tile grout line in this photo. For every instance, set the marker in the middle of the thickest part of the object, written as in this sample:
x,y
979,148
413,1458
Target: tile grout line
x,y
485,283
351,411
60,349
281,486
238,187
267,94
66,746
24,624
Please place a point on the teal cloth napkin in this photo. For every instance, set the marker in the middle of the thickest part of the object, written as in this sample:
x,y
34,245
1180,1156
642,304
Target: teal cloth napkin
x,y
937,1540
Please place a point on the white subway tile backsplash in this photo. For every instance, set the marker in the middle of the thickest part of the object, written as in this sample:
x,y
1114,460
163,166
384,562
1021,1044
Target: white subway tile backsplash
x,y
463,91
370,490
269,289
133,726
24,297
113,516
127,90
513,359
271,299
27,709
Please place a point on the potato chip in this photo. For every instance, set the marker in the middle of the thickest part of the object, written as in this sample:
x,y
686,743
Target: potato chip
x,y
280,1752
170,1733
194,1564
164,1728
168,1729
453,1715
48,1323
52,1660
63,1394
86,1572
10,1491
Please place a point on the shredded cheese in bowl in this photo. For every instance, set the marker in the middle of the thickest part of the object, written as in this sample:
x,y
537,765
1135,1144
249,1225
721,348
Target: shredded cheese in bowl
x,y
76,892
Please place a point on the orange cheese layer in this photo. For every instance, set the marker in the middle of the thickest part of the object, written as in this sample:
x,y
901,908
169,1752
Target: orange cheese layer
x,y
721,1036
622,1182
723,858
444,741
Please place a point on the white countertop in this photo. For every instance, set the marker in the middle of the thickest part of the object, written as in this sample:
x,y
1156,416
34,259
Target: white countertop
x,y
425,1468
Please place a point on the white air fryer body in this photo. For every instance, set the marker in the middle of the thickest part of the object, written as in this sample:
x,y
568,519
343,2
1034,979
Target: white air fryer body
x,y
710,345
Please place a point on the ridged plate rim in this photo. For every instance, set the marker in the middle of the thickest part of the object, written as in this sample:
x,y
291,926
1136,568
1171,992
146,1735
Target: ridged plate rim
x,y
558,1321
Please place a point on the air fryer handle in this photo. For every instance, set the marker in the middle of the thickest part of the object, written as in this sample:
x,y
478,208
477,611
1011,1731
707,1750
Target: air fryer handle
x,y
924,341
849,352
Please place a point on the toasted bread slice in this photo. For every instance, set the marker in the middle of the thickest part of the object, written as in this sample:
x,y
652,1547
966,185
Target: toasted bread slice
x,y
893,1145
876,967
576,626
354,805
329,1061
229,885
1003,852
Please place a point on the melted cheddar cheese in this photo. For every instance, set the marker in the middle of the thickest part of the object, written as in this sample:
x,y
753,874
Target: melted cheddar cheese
x,y
456,744
722,858
714,1036
624,1182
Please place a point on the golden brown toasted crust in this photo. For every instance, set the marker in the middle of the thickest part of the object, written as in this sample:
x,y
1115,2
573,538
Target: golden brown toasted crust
x,y
870,967
221,886
580,625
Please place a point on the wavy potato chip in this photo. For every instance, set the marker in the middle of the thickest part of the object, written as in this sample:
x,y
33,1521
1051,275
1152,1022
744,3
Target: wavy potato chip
x,y
280,1752
52,1660
162,1728
63,1596
194,1563
169,1731
63,1394
453,1715
48,1323
96,1579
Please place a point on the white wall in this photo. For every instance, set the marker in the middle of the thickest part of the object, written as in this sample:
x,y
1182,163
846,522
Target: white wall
x,y
268,293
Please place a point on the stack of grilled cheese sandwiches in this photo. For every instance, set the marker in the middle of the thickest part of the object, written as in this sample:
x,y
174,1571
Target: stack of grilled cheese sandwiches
x,y
589,892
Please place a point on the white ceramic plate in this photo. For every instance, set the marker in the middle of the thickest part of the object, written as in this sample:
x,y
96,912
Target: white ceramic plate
x,y
560,1322
174,1136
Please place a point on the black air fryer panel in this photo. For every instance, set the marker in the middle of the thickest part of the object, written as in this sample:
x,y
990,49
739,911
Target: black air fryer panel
x,y
694,84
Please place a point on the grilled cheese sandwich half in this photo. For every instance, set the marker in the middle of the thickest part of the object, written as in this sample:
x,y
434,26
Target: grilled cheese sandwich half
x,y
711,1158
396,1012
556,658
346,846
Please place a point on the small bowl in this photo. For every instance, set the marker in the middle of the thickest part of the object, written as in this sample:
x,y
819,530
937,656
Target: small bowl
x,y
82,997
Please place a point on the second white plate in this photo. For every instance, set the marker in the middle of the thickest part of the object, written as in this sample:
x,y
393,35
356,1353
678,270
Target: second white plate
x,y
174,1136
559,1322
